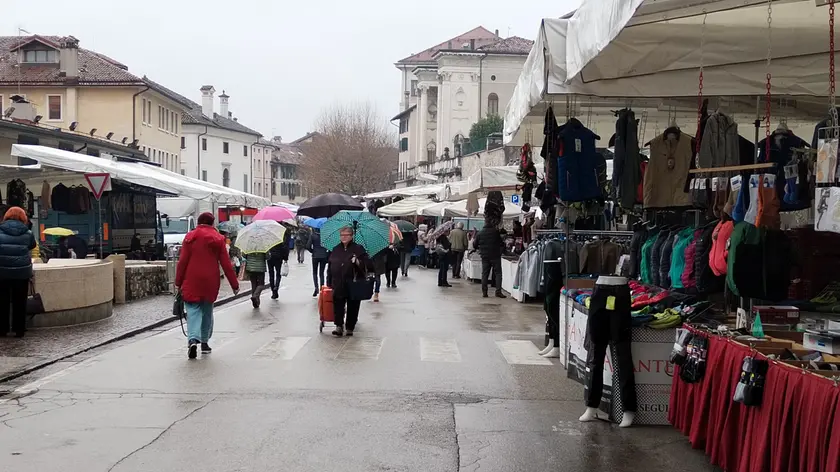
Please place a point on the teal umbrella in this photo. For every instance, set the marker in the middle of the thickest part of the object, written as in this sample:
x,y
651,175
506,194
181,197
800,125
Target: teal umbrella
x,y
370,232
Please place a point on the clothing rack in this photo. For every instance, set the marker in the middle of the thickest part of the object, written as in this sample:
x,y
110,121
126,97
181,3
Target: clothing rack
x,y
714,170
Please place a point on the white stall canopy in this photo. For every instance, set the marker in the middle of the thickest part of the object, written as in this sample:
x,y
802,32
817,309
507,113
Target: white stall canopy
x,y
417,190
459,209
655,48
496,178
408,207
436,209
134,173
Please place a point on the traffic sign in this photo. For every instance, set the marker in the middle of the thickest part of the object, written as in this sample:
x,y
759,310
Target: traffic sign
x,y
98,183
514,199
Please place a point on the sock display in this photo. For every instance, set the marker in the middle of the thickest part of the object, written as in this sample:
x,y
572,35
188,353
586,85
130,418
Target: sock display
x,y
719,191
752,187
769,204
732,203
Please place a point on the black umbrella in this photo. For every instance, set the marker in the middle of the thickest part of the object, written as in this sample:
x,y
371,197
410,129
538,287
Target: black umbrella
x,y
327,205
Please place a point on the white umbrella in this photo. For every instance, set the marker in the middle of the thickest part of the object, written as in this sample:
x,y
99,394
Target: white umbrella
x,y
260,236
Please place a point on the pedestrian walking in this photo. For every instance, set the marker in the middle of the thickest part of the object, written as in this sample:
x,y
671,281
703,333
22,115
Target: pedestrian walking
x,y
458,239
379,269
255,267
442,250
277,256
197,279
301,243
319,260
409,243
16,240
393,262
421,243
348,262
489,243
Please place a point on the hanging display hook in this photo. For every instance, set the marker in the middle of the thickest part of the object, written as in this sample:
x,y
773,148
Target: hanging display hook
x,y
769,98
832,84
700,86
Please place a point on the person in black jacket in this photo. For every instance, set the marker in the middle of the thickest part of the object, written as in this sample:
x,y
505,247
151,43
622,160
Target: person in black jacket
x,y
276,257
409,242
319,259
489,243
443,250
16,240
348,261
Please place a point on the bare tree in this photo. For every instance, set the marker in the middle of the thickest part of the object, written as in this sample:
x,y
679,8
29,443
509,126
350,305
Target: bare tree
x,y
354,152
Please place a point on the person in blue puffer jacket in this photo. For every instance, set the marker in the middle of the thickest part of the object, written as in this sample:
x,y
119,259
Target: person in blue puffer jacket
x,y
16,240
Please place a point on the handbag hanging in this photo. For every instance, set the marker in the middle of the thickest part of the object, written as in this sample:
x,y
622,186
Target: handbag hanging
x,y
284,271
361,289
34,304
243,275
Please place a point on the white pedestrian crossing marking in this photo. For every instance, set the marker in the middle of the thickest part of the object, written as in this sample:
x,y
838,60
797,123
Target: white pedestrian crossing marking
x,y
439,350
521,352
361,348
284,348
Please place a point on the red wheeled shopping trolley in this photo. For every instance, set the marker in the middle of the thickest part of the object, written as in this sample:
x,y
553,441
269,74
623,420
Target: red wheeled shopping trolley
x,y
325,307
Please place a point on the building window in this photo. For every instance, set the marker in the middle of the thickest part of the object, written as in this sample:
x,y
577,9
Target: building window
x,y
226,148
431,152
245,151
403,144
492,104
183,172
226,177
177,122
166,119
40,56
54,107
1,105
245,182
273,188
143,112
204,175
413,88
403,125
284,188
203,144
149,112
183,142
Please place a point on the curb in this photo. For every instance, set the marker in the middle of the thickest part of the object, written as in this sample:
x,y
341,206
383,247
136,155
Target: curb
x,y
126,335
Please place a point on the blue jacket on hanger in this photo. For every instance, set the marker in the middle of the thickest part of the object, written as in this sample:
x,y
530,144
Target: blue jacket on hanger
x,y
577,164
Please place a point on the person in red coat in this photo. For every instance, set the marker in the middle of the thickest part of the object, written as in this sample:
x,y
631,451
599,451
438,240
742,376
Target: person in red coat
x,y
197,278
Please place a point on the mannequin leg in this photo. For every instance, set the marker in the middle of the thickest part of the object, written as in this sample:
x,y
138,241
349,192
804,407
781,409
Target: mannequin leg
x,y
547,348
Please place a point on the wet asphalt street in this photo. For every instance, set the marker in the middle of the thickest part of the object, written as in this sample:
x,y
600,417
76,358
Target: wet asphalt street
x,y
434,380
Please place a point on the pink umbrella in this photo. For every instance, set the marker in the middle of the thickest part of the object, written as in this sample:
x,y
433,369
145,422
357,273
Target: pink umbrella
x,y
274,213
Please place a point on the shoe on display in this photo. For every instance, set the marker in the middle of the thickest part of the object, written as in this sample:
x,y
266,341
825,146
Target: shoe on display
x,y
627,419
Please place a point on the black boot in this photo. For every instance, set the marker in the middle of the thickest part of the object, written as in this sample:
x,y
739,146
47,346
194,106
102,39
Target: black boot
x,y
274,295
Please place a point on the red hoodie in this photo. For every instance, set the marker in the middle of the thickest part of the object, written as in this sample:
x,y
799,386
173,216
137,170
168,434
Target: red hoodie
x,y
198,267
720,247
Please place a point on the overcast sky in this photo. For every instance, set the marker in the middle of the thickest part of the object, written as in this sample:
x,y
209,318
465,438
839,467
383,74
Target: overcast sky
x,y
281,62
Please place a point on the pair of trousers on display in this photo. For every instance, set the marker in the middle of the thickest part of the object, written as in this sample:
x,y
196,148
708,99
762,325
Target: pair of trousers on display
x,y
610,324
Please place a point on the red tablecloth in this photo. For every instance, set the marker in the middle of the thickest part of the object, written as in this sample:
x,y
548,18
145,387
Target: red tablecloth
x,y
797,426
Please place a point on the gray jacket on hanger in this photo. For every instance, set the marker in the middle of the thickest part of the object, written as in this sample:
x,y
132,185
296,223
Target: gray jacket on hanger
x,y
719,145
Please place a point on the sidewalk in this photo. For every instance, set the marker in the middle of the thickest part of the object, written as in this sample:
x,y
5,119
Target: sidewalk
x,y
42,347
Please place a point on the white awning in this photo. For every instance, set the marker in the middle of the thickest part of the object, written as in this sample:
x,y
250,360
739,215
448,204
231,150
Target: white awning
x,y
407,207
459,209
436,209
652,49
496,178
135,173
417,190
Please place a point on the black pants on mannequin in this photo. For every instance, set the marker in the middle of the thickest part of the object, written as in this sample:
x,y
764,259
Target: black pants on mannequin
x,y
553,283
609,323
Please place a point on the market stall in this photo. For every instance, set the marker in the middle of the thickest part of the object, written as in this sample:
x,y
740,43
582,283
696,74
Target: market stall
x,y
408,207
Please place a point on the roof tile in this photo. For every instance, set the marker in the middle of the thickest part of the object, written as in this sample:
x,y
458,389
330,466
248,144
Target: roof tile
x,y
481,35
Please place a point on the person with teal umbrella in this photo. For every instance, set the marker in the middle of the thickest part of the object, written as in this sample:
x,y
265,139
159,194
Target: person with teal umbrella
x,y
348,264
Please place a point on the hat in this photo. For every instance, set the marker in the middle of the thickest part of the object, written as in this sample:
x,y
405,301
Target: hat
x,y
206,218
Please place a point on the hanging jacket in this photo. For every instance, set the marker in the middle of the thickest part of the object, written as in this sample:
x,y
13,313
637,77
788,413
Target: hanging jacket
x,y
549,149
636,243
719,254
645,271
197,274
667,172
656,256
719,145
687,276
704,277
15,243
665,258
781,151
626,162
577,166
759,263
679,257
16,193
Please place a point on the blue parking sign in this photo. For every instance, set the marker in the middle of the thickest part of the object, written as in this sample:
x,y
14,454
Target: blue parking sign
x,y
514,199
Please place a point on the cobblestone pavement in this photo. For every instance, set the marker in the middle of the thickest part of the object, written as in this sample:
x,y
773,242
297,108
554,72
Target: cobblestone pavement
x,y
49,344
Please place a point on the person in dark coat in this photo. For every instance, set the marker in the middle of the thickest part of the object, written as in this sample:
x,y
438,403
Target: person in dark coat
x,y
393,262
16,240
379,269
489,243
319,259
277,255
348,261
409,242
443,250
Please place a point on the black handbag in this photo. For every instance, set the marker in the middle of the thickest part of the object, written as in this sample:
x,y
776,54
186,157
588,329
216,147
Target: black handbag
x,y
179,310
360,289
34,304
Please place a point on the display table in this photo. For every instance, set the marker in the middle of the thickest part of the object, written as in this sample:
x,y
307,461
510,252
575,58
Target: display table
x,y
651,350
796,427
472,267
509,267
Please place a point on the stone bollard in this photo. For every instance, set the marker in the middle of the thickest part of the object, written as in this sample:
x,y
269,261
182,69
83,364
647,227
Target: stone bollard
x,y
119,277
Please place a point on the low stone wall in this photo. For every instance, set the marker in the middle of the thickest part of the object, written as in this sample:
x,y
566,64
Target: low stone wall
x,y
144,280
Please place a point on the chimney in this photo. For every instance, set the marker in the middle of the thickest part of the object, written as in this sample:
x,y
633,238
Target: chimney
x,y
68,57
223,105
472,44
207,93
496,32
